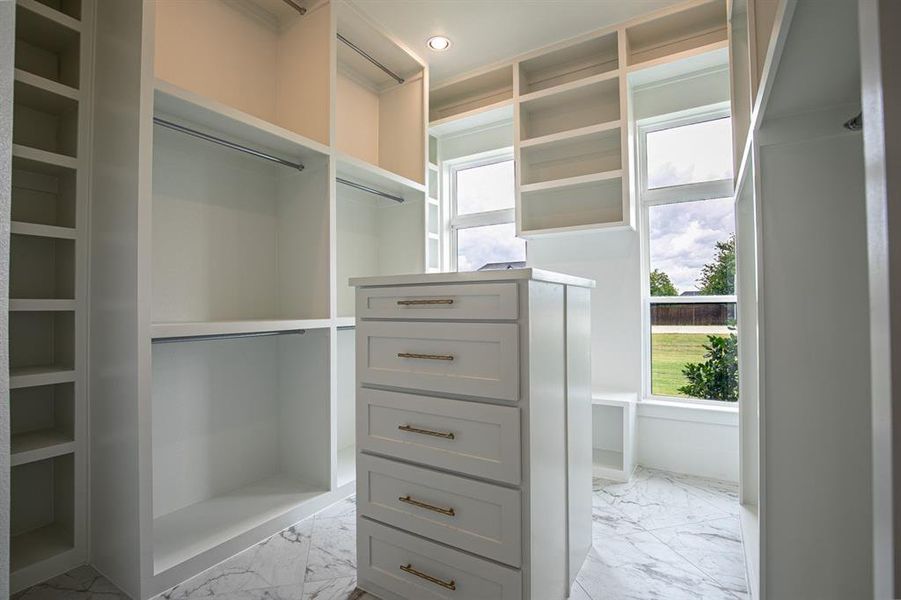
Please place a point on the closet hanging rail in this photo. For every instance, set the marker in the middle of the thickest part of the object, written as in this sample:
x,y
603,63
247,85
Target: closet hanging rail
x,y
366,188
226,143
368,57
226,336
296,6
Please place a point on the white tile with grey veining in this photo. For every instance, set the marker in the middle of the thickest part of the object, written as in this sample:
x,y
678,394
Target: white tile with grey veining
x,y
722,494
714,547
81,583
333,550
288,592
608,521
577,593
344,508
344,588
276,562
641,567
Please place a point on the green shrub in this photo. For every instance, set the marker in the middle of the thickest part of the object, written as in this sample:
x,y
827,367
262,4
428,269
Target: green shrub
x,y
717,377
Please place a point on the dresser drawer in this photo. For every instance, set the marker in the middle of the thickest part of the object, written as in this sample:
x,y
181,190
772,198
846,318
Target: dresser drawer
x,y
477,517
472,359
473,438
412,567
474,301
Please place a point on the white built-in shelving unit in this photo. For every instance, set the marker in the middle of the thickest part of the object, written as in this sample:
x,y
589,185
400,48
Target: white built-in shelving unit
x,y
571,112
223,377
47,294
613,435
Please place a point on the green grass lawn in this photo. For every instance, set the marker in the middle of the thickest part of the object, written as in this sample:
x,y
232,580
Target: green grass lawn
x,y
669,354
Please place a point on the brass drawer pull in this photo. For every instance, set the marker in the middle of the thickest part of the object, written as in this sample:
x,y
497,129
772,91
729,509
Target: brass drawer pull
x,y
448,585
425,356
424,302
450,512
442,434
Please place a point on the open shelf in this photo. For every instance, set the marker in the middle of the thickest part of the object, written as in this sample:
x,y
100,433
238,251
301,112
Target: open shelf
x,y
41,346
379,120
677,32
42,511
45,115
594,150
69,8
576,181
47,42
613,434
578,61
39,230
42,161
262,58
360,171
604,461
40,198
471,94
236,238
42,422
240,438
583,205
570,106
26,377
210,328
40,304
41,267
486,116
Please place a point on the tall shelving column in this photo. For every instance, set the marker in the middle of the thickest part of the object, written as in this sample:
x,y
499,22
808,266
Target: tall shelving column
x,y
48,250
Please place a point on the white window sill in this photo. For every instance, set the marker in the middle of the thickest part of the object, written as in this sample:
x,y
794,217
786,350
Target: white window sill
x,y
674,410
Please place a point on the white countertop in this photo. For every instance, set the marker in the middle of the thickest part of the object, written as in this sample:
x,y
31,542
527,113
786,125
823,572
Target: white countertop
x,y
473,276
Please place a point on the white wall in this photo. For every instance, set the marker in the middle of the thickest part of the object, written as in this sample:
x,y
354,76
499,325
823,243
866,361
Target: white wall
x,y
7,38
678,439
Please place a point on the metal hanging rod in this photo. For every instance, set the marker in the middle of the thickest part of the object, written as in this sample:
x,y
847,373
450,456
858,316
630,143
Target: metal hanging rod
x,y
296,6
368,57
226,143
366,188
226,336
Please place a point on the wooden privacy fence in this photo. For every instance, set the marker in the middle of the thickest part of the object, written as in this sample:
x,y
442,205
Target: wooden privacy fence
x,y
693,314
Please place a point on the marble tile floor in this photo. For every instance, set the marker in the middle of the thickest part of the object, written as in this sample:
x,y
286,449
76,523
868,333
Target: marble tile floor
x,y
660,536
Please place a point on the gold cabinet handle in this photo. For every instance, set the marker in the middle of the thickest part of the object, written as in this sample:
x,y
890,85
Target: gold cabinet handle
x,y
425,356
424,302
442,434
448,585
450,512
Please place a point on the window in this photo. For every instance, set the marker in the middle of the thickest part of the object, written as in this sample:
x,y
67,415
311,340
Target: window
x,y
482,230
688,243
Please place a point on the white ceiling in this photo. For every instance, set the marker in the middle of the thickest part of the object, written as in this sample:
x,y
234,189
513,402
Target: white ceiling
x,y
483,32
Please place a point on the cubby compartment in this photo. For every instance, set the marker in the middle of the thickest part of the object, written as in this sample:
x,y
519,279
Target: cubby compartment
x,y
43,118
677,32
581,206
376,236
41,267
71,8
42,196
42,421
379,117
578,61
597,152
42,510
47,43
594,103
613,435
261,57
41,341
240,437
472,94
347,406
236,238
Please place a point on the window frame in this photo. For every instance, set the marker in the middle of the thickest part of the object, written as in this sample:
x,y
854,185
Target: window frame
x,y
677,194
457,222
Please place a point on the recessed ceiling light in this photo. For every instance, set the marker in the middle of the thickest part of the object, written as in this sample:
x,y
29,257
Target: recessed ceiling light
x,y
439,43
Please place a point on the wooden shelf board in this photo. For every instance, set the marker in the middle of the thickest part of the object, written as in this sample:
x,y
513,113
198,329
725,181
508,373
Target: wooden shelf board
x,y
569,86
224,121
673,65
360,171
44,94
599,130
42,161
40,230
190,531
35,376
40,304
57,23
347,465
619,399
32,547
569,182
483,116
39,445
200,328
345,321
586,228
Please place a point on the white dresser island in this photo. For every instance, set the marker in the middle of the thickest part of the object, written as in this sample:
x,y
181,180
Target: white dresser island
x,y
473,434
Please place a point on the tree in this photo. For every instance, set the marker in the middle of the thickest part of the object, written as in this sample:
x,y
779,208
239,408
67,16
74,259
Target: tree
x,y
718,278
662,285
717,377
